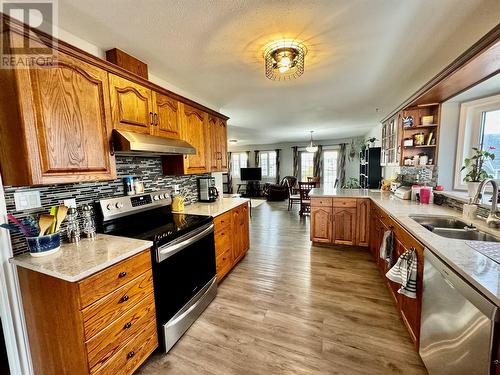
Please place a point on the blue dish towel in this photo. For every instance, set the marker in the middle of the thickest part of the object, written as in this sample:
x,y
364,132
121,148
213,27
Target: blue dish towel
x,y
404,272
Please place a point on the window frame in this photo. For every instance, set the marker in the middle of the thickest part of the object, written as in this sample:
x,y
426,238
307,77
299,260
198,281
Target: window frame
x,y
236,173
300,164
323,177
270,155
470,127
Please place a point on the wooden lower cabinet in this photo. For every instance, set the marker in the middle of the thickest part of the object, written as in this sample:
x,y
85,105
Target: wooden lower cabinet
x,y
409,308
362,222
71,332
340,221
232,239
321,224
358,221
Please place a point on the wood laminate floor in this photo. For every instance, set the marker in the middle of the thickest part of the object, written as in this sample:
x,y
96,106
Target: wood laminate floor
x,y
291,308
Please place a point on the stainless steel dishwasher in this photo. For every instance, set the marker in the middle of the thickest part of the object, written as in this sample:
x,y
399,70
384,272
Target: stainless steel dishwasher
x,y
456,334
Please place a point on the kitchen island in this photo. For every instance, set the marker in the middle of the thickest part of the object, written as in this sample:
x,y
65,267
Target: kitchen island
x,y
479,270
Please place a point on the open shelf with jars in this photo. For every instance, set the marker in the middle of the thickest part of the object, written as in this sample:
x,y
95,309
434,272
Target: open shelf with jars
x,y
419,135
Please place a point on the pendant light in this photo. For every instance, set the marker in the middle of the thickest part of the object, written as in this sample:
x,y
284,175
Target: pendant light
x,y
312,147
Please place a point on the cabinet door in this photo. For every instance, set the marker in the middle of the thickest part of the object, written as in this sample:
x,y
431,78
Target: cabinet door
x,y
70,130
166,116
411,307
194,130
237,233
131,105
245,228
393,287
321,224
213,128
344,226
363,222
222,142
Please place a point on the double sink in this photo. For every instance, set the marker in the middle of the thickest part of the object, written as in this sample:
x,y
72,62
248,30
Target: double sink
x,y
451,227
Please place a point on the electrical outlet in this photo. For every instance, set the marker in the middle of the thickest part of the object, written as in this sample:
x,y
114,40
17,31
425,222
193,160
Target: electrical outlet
x,y
27,200
70,203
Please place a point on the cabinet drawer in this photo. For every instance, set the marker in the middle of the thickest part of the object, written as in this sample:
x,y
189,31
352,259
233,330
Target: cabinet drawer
x,y
222,221
344,202
101,313
133,353
321,202
104,282
222,241
111,339
224,261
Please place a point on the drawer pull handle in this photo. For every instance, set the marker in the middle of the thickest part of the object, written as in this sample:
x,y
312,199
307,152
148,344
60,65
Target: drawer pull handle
x,y
124,298
127,325
130,354
122,274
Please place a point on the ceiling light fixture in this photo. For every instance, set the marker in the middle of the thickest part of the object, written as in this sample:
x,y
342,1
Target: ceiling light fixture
x,y
312,147
284,59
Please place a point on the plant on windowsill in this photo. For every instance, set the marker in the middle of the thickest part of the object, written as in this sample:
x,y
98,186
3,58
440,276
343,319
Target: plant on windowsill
x,y
475,168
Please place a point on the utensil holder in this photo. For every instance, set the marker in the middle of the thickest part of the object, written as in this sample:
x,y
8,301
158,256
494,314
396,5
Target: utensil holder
x,y
44,245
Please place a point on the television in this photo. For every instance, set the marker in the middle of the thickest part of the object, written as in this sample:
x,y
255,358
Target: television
x,y
251,174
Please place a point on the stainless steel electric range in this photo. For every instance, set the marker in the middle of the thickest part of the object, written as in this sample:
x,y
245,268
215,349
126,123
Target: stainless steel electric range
x,y
183,256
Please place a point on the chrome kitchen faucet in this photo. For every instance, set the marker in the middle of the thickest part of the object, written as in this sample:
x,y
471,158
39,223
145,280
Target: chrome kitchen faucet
x,y
493,218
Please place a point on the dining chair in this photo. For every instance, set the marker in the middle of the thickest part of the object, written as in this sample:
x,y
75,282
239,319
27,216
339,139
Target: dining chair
x,y
305,202
293,197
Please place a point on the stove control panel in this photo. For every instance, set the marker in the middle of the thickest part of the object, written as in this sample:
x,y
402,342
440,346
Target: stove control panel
x,y
113,208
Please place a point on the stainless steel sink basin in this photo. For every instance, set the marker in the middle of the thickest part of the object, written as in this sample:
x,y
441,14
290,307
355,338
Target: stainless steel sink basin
x,y
439,221
451,227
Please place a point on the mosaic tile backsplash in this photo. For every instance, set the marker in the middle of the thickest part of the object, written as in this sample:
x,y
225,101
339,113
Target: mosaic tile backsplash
x,y
458,205
148,168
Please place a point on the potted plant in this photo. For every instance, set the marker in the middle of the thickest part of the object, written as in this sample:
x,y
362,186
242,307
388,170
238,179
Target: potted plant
x,y
475,168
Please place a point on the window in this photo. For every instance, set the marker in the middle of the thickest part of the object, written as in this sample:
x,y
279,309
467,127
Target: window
x,y
267,161
329,168
306,165
490,139
238,160
479,127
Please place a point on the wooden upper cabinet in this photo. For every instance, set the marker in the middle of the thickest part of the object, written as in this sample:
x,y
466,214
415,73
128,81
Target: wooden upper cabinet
x,y
194,131
222,142
131,104
213,127
363,222
166,116
344,225
321,224
55,124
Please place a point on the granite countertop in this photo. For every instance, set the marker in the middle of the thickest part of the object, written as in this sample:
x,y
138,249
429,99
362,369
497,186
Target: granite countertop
x,y
74,262
479,270
214,208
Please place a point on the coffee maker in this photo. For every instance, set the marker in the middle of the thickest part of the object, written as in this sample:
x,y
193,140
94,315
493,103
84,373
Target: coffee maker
x,y
207,192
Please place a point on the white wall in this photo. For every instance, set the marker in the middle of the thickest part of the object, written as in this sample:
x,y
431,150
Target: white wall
x,y
448,138
286,157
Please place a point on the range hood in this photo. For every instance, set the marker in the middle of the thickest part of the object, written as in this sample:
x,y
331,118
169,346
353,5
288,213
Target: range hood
x,y
131,143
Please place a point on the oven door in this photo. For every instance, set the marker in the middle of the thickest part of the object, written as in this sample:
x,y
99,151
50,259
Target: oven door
x,y
181,269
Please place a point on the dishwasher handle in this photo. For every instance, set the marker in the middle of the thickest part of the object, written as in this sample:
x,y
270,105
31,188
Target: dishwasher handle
x,y
468,291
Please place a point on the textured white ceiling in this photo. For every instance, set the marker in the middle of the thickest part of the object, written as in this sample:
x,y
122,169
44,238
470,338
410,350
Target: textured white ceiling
x,y
363,54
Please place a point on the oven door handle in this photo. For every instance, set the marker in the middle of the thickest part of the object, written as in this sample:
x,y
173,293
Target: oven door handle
x,y
168,250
